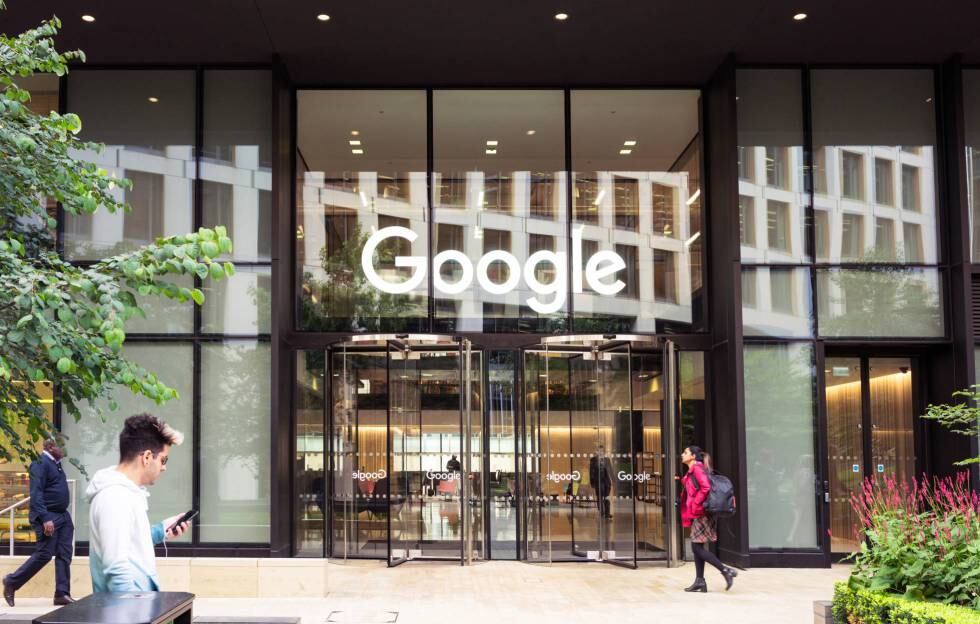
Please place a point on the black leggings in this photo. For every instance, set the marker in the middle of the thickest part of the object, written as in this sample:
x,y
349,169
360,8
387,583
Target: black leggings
x,y
702,554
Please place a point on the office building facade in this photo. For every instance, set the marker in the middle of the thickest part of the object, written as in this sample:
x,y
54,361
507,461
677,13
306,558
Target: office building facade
x,y
479,318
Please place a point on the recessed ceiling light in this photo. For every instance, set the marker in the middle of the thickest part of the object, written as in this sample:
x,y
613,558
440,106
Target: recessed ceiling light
x,y
561,17
625,151
88,18
357,151
354,132
929,100
799,17
531,132
153,99
492,143
354,142
491,151
629,143
323,17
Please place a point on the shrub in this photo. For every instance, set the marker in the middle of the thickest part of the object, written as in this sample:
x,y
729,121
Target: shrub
x,y
863,606
922,540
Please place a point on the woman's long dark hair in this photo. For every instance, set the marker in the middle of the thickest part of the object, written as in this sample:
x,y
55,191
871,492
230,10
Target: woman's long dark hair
x,y
698,453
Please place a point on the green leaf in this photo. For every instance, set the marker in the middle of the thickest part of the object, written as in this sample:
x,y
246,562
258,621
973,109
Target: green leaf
x,y
217,271
224,243
210,249
64,365
229,269
197,296
65,315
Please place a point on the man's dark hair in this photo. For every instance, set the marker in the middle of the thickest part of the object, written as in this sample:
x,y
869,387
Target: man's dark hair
x,y
145,432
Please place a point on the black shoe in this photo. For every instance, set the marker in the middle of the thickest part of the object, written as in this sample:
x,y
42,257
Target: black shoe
x,y
729,574
8,593
62,600
698,586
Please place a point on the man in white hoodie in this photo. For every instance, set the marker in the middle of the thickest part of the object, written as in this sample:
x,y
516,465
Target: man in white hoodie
x,y
121,556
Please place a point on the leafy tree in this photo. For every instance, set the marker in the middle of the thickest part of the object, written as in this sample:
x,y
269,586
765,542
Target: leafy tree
x,y
962,418
59,322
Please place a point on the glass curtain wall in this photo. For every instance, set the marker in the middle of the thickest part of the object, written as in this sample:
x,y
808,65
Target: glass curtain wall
x,y
780,410
217,357
505,250
361,169
636,192
499,200
838,237
875,134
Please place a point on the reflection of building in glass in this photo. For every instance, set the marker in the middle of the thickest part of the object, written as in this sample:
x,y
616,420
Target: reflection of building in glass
x,y
506,194
657,273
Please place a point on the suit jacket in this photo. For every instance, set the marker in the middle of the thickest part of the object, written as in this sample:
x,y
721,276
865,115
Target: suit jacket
x,y
49,491
600,474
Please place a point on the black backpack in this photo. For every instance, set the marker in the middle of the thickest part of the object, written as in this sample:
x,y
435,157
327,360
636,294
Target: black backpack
x,y
720,502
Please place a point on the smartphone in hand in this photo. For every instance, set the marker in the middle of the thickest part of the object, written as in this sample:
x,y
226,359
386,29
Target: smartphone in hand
x,y
187,517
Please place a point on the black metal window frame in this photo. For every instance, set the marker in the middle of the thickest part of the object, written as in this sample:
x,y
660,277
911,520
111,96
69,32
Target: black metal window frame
x,y
914,347
810,263
430,322
197,337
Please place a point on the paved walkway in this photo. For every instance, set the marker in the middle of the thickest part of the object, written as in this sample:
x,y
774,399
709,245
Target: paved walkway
x,y
512,593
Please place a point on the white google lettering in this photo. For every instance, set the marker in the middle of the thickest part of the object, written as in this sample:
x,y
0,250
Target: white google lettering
x,y
557,476
639,477
442,476
598,267
370,476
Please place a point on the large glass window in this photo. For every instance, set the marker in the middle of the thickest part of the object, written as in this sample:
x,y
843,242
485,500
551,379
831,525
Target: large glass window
x,y
770,126
637,194
96,444
236,160
499,176
235,480
776,302
149,128
146,120
884,301
780,445
871,124
361,157
240,304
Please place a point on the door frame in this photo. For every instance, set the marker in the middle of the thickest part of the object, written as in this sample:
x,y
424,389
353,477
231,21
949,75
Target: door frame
x,y
670,434
918,360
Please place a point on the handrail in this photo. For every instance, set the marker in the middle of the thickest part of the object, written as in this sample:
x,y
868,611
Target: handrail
x,y
10,511
15,505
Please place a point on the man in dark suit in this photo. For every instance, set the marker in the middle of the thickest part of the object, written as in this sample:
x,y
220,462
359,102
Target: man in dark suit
x,y
52,523
600,476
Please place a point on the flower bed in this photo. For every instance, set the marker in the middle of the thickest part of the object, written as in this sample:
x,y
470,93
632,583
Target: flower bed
x,y
920,540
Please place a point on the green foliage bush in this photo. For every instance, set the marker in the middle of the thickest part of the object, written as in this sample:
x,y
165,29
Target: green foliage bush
x,y
921,540
853,605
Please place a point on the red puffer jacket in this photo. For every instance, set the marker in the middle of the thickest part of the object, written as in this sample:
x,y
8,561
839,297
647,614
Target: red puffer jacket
x,y
695,490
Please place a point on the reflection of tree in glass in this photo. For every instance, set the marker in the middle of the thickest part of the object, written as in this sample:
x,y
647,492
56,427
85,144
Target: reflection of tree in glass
x,y
240,426
345,300
780,440
870,298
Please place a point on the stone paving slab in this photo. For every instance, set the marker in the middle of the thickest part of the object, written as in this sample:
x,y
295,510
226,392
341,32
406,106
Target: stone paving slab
x,y
511,592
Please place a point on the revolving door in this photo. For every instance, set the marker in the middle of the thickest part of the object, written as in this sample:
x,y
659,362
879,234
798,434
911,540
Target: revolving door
x,y
599,450
405,458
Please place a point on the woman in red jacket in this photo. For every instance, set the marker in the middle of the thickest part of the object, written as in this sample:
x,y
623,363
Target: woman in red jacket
x,y
704,528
